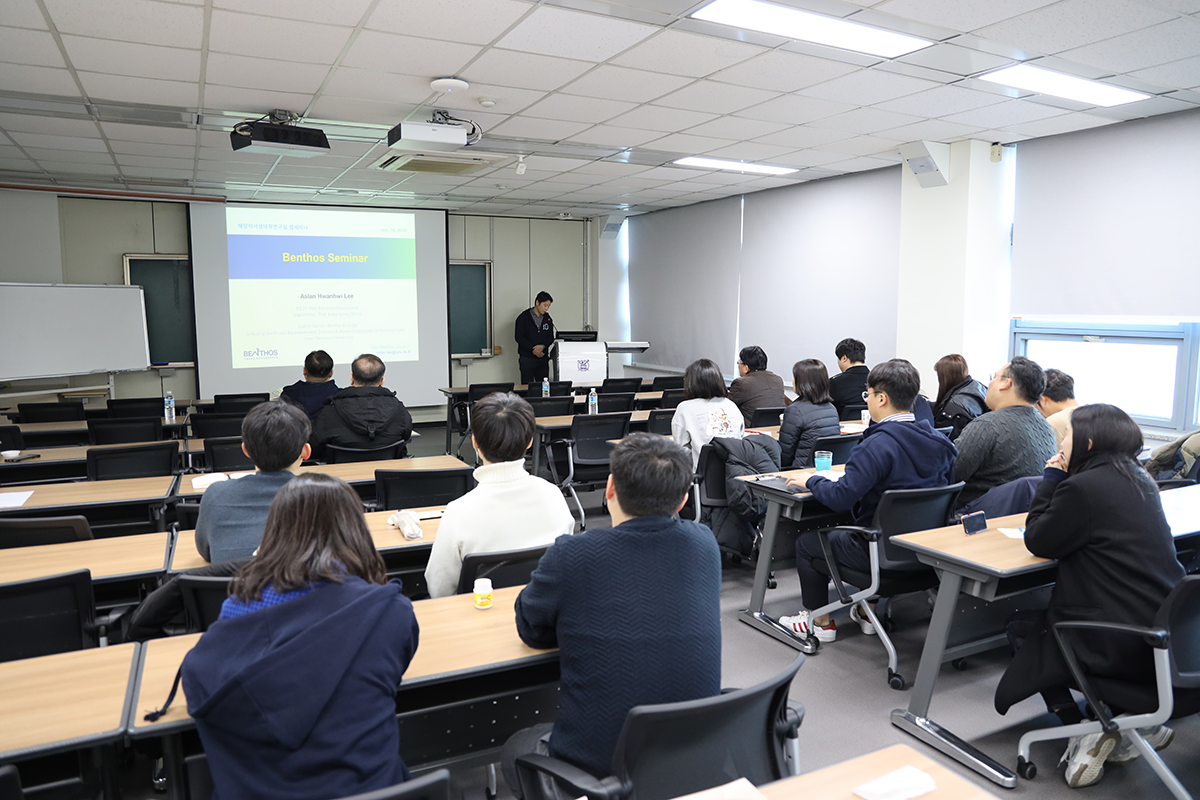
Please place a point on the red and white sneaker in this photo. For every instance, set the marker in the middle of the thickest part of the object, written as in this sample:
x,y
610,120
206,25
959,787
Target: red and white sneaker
x,y
801,625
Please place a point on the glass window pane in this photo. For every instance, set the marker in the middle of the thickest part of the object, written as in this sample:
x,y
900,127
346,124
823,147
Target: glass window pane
x,y
1138,378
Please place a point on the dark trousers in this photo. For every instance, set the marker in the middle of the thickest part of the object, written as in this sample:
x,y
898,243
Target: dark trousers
x,y
1059,700
524,742
849,550
533,370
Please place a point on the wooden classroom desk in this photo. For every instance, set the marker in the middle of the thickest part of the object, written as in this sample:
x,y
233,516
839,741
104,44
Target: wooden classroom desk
x,y
61,497
837,782
61,463
356,472
118,558
546,426
75,431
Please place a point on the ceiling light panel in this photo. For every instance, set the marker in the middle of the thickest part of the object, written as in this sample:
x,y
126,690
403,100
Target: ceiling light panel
x,y
735,166
1059,84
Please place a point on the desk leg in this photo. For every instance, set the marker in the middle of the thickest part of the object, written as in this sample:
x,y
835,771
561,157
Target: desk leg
x,y
754,616
449,422
539,442
173,767
915,719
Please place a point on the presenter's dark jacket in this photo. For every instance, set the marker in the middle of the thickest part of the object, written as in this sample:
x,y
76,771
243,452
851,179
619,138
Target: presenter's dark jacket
x,y
846,389
310,395
529,335
1116,563
297,700
361,417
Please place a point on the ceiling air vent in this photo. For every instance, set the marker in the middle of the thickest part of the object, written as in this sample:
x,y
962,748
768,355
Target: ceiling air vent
x,y
457,163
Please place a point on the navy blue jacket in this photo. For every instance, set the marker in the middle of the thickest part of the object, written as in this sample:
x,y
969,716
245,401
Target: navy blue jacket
x,y
310,395
892,455
529,335
297,701
636,612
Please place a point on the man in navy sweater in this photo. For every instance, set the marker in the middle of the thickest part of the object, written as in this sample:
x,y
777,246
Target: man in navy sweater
x,y
897,452
634,610
317,387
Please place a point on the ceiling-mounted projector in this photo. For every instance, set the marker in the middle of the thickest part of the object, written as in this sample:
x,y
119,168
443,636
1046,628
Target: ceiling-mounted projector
x,y
278,140
426,136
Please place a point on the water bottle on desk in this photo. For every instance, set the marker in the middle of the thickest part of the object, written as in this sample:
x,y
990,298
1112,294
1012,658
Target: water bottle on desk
x,y
593,402
545,387
169,407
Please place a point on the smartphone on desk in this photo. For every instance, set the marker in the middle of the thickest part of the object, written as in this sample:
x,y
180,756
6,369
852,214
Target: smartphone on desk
x,y
974,523
26,457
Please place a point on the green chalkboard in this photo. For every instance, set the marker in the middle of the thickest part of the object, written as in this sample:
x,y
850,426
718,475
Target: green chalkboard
x,y
170,313
470,300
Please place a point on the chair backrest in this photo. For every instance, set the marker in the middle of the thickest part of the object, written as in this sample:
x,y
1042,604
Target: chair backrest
x,y
135,407
619,385
909,510
1180,615
840,445
671,398
614,401
50,412
125,430
216,425
433,786
137,461
557,389
335,454
504,568
33,531
852,412
478,391
664,382
202,599
660,421
415,488
552,406
765,417
673,749
11,438
10,783
225,454
711,470
592,434
47,615
186,515
238,403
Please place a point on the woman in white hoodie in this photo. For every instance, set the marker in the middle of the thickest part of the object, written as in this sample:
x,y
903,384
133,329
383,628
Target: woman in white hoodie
x,y
706,413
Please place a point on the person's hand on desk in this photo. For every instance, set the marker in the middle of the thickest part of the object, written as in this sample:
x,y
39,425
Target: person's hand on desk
x,y
799,480
539,350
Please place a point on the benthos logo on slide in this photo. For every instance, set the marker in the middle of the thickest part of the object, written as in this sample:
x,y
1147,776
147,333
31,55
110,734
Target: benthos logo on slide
x,y
258,352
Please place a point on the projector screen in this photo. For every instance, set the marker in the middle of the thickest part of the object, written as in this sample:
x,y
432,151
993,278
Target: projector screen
x,y
276,282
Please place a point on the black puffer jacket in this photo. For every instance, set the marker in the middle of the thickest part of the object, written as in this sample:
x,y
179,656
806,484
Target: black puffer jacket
x,y
735,525
362,417
964,403
803,424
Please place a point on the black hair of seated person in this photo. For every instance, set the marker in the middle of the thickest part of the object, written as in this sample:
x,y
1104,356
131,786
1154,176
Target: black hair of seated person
x,y
852,349
754,357
503,424
1059,386
702,380
951,371
318,364
651,475
810,381
274,434
1027,377
899,380
367,370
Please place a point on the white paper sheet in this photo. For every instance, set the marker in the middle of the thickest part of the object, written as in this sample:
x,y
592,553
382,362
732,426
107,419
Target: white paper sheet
x,y
14,499
1013,533
904,783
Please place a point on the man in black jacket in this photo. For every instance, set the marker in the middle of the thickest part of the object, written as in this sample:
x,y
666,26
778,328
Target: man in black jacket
x,y
534,332
363,415
847,387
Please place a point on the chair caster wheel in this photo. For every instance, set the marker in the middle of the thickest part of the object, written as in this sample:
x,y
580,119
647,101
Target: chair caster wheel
x,y
959,664
475,793
895,680
1026,769
809,645
888,624
772,583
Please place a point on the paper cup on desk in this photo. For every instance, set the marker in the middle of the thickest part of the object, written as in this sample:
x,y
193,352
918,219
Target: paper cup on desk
x,y
10,453
823,460
865,416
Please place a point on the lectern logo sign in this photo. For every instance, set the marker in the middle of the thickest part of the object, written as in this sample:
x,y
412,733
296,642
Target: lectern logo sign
x,y
583,364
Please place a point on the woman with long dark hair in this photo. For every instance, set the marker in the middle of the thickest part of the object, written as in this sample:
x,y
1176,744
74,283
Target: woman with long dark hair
x,y
1098,512
705,412
811,416
293,688
960,397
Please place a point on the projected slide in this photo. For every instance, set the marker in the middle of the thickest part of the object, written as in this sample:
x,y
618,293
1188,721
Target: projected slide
x,y
341,281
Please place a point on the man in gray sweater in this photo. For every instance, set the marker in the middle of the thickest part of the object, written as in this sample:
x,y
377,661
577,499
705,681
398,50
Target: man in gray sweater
x,y
1013,442
233,513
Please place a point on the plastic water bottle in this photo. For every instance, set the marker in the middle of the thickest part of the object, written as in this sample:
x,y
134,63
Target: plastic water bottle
x,y
545,387
169,407
593,402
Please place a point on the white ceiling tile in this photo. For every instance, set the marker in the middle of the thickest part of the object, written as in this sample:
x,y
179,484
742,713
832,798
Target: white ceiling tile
x,y
269,37
577,109
934,130
253,102
474,21
1074,23
614,136
125,89
960,15
859,164
354,110
1001,137
523,70
621,83
553,164
133,59
37,80
152,149
571,34
17,164
343,12
127,160
264,73
680,53
84,156
683,143
718,98
1002,115
378,86
147,133
801,136
544,129
1149,47
738,128
866,120
607,169
1184,73
794,109
58,127
157,172
867,87
143,21
509,100
954,59
408,55
862,146
19,46
657,118
42,140
351,150
941,101
1065,123
77,168
782,71
750,151
670,174
21,14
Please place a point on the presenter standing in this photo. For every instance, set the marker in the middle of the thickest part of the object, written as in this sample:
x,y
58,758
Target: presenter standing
x,y
534,334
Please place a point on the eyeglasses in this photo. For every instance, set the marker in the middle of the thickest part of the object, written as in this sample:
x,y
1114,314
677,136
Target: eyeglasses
x,y
997,375
866,395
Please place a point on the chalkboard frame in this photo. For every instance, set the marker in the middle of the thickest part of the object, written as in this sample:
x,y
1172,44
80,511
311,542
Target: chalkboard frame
x,y
487,310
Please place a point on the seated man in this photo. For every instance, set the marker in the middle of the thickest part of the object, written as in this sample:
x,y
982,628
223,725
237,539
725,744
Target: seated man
x,y
509,509
897,452
234,512
1057,402
317,387
846,388
364,415
634,609
1012,442
757,387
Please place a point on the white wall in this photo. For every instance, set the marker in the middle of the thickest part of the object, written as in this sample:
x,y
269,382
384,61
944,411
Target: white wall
x,y
29,238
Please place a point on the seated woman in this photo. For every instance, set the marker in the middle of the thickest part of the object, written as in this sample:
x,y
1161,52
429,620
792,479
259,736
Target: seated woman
x,y
960,397
1098,512
809,417
293,689
705,413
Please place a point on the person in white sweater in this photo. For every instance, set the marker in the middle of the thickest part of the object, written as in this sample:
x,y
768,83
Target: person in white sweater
x,y
509,509
706,413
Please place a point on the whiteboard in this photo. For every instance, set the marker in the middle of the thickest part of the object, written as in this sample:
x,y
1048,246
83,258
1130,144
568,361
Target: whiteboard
x,y
53,330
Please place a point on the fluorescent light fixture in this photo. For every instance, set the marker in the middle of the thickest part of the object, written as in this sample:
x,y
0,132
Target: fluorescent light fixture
x,y
793,23
1059,84
734,166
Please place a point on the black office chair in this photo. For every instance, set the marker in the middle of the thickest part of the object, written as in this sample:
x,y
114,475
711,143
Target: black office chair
x,y
614,401
852,412
710,490
33,531
11,438
136,461
671,398
766,417
839,444
215,425
238,403
433,786
660,421
561,406
51,412
894,570
664,382
334,454
503,567
186,515
125,430
225,454
10,783
619,386
416,488
135,407
586,454
674,749
202,599
557,389
47,615
462,410
1175,644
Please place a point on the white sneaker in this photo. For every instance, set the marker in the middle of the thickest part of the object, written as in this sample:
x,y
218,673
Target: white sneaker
x,y
1157,737
864,622
801,625
1085,757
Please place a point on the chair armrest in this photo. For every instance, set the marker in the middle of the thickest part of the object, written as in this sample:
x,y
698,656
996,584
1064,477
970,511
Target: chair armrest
x,y
793,718
579,781
834,572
